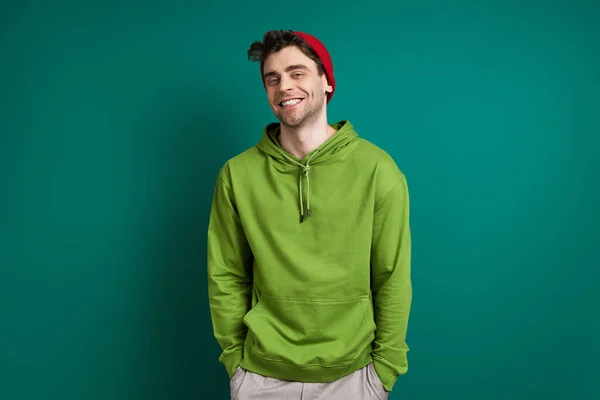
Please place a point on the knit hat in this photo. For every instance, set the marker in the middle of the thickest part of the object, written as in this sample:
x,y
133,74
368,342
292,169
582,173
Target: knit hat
x,y
324,56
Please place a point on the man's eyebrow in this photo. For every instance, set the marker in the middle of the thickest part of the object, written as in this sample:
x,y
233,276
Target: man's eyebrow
x,y
289,68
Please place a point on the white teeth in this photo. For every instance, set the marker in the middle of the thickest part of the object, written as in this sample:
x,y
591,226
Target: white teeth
x,y
290,102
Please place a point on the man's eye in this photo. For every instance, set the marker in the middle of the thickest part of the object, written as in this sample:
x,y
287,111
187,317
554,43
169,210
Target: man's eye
x,y
272,81
298,74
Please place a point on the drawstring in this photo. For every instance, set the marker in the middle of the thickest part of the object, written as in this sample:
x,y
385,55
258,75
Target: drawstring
x,y
304,173
305,170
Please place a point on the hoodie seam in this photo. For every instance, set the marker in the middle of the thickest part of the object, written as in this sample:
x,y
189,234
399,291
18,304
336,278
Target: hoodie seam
x,y
259,354
377,201
225,183
222,177
316,301
300,300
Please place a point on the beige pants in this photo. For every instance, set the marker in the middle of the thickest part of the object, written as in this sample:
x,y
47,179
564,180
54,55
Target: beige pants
x,y
363,384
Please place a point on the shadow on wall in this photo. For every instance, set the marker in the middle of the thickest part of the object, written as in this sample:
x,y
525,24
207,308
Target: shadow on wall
x,y
194,140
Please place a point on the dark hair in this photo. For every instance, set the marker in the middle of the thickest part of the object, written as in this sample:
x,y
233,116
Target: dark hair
x,y
275,40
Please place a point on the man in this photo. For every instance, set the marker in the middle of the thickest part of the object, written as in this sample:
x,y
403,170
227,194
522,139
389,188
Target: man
x,y
309,245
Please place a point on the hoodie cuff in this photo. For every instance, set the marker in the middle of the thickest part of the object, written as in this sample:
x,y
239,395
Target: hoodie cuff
x,y
387,375
232,361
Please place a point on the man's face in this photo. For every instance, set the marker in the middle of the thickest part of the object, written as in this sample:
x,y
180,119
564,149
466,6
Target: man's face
x,y
290,75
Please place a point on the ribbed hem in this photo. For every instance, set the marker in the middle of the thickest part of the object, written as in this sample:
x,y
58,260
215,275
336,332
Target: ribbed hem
x,y
232,361
387,375
256,363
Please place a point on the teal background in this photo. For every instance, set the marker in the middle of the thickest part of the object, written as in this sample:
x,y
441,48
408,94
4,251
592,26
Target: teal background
x,y
116,116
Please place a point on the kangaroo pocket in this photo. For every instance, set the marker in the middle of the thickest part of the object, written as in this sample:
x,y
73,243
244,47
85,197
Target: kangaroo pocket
x,y
309,331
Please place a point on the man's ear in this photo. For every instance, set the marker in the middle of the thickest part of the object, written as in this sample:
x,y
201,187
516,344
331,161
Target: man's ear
x,y
328,87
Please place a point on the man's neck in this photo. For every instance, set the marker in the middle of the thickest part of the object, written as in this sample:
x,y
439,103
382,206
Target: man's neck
x,y
304,139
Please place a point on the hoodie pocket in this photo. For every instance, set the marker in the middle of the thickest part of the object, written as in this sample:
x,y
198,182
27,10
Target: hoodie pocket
x,y
310,331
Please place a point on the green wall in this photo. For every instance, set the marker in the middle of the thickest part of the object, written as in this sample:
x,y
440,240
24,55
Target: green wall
x,y
116,116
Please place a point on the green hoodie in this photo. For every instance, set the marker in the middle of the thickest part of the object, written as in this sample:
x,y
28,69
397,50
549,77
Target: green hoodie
x,y
309,260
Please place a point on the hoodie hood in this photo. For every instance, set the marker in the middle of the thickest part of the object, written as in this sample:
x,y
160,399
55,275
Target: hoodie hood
x,y
336,146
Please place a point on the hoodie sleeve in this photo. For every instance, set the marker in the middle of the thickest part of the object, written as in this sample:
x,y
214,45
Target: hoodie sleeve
x,y
229,280
391,282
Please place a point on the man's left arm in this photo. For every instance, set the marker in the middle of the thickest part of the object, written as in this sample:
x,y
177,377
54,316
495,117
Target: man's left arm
x,y
391,282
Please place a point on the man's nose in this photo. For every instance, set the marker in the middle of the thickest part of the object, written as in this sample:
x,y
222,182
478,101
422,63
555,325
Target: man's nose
x,y
285,84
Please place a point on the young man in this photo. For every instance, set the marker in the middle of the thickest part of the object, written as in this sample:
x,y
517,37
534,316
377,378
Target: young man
x,y
309,245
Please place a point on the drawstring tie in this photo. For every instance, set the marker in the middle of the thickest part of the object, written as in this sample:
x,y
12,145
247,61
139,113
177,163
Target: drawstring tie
x,y
305,171
304,174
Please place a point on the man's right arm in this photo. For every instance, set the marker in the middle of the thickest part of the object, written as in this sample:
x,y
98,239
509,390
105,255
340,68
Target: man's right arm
x,y
229,275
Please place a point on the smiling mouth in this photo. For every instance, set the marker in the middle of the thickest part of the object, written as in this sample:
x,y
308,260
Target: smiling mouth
x,y
290,103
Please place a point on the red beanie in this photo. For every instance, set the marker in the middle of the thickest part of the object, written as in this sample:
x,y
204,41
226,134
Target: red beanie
x,y
324,56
